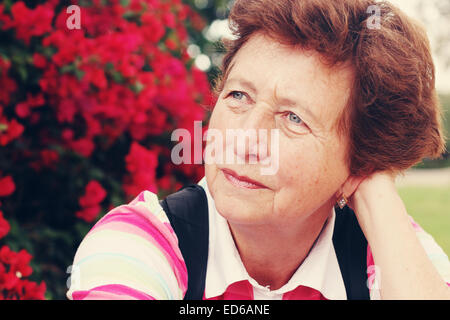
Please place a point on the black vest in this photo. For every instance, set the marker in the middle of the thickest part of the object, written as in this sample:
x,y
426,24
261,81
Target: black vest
x,y
187,211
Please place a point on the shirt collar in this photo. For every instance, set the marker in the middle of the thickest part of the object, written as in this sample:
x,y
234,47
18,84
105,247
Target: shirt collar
x,y
320,269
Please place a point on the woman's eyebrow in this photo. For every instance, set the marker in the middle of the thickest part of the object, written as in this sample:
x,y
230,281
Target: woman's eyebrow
x,y
242,82
296,104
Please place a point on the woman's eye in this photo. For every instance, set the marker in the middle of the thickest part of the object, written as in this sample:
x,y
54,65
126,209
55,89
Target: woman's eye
x,y
294,118
237,95
294,123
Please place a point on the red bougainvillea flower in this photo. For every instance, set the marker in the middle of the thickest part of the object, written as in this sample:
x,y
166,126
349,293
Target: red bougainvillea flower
x,y
13,131
83,146
23,109
9,130
49,157
39,60
14,266
7,256
7,84
165,183
4,226
140,159
20,265
94,194
141,163
89,214
9,280
28,23
29,290
7,186
4,18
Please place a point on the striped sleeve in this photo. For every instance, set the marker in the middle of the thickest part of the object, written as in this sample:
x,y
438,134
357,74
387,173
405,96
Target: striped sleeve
x,y
434,252
131,253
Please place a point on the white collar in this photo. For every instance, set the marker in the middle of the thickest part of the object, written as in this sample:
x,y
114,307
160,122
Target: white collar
x,y
320,270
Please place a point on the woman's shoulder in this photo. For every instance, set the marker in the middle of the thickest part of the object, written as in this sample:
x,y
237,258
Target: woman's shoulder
x,y
142,217
133,246
149,203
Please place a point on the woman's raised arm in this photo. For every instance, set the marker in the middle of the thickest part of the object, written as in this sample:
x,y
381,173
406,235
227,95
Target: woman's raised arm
x,y
405,268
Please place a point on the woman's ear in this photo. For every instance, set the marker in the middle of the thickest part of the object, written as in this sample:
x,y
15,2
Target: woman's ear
x,y
349,186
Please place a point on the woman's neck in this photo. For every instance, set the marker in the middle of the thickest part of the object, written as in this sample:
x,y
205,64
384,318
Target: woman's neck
x,y
271,254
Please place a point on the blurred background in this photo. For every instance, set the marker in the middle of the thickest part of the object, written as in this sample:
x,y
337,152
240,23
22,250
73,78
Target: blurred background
x,y
86,116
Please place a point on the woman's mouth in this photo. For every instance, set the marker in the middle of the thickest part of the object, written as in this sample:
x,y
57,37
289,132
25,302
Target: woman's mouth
x,y
242,181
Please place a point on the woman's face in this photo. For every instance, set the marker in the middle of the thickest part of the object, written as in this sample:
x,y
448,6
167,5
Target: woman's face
x,y
272,86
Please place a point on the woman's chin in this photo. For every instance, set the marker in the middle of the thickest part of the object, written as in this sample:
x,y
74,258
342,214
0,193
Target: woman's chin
x,y
240,210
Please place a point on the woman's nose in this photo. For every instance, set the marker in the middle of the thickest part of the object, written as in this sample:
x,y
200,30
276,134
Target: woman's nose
x,y
252,138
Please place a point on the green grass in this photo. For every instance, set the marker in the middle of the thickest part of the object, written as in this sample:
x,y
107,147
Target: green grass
x,y
430,208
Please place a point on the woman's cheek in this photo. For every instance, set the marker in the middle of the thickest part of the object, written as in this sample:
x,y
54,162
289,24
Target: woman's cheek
x,y
220,117
300,162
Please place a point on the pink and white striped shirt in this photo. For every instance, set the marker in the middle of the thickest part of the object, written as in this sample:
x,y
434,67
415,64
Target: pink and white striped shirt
x,y
132,253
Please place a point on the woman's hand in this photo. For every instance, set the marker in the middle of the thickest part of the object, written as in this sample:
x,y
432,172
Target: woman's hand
x,y
405,271
372,193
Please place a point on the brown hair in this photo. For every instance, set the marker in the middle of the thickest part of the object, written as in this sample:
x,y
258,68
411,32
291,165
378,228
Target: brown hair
x,y
393,117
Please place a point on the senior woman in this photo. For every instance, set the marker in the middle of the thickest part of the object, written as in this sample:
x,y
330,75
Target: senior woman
x,y
354,104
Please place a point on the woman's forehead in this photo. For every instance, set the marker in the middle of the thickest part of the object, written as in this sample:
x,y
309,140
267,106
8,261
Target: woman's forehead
x,y
261,52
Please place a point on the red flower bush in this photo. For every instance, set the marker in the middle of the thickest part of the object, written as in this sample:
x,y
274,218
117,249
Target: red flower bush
x,y
13,267
85,122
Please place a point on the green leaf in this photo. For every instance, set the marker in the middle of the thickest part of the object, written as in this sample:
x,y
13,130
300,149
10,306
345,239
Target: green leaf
x,y
23,72
85,3
7,4
117,76
48,52
124,3
82,228
116,200
129,15
96,174
68,68
109,66
3,127
79,74
53,235
137,87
